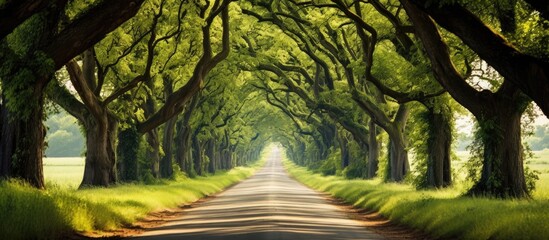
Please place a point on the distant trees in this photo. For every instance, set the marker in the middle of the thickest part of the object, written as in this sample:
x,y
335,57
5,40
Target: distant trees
x,y
540,139
64,138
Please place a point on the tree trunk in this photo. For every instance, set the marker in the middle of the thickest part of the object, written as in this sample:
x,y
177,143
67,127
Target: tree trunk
x,y
99,169
226,158
100,125
373,151
22,142
210,152
166,168
7,142
128,146
398,154
183,154
344,151
229,159
439,148
398,165
197,156
217,156
502,170
153,152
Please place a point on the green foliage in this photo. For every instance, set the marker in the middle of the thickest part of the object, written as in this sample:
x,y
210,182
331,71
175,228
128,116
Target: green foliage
x,y
422,130
129,143
144,171
531,178
358,165
356,169
476,149
23,65
18,90
420,142
332,164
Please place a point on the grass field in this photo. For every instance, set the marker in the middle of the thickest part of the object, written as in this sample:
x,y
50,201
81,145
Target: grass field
x,y
442,213
540,163
64,172
61,209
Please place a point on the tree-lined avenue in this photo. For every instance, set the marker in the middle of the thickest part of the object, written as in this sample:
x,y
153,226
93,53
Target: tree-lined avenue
x,y
269,205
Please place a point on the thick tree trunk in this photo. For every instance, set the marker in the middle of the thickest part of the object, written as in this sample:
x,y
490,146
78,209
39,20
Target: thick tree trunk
x,y
7,142
22,142
502,170
398,160
166,167
373,151
153,150
100,163
439,148
398,154
183,153
128,146
30,146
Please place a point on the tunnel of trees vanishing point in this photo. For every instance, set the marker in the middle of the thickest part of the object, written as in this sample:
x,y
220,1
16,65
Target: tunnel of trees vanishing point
x,y
163,86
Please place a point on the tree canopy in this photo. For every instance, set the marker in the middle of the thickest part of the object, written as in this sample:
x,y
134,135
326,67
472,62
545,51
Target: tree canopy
x,y
348,87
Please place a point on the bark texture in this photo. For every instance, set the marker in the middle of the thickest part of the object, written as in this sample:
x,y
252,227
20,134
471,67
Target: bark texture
x,y
439,148
373,151
166,163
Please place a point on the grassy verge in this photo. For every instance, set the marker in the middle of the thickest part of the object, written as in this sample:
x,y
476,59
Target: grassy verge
x,y
28,213
440,213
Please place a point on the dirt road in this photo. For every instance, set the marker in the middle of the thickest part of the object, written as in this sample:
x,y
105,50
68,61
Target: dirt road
x,y
269,205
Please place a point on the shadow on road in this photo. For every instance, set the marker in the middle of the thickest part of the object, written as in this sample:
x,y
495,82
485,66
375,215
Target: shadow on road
x,y
270,205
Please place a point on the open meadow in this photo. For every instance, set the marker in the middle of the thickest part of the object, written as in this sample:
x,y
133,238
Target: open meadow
x,y
64,171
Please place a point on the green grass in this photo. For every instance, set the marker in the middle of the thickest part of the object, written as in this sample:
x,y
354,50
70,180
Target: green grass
x,y
64,172
28,213
441,213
